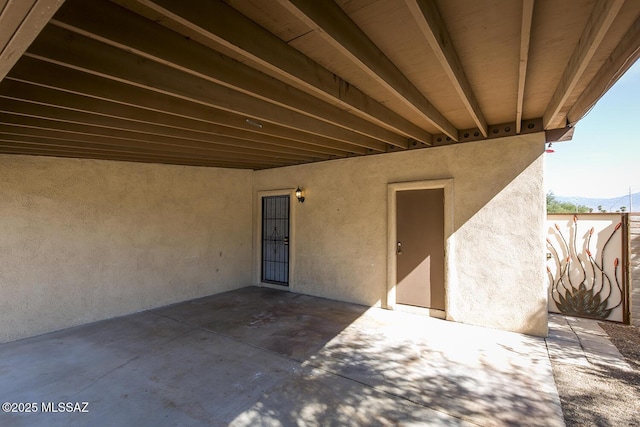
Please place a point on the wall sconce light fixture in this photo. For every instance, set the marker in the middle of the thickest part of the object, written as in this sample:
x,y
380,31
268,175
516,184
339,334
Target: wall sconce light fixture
x,y
299,195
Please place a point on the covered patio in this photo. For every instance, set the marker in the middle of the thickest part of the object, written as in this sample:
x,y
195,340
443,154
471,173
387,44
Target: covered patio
x,y
142,141
150,157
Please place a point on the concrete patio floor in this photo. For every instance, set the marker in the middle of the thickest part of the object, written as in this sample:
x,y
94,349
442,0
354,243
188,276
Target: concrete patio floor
x,y
261,357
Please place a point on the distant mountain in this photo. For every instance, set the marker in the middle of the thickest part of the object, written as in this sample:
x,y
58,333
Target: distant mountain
x,y
610,205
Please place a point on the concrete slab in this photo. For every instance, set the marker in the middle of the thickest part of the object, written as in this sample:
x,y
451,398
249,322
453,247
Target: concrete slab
x,y
259,357
580,341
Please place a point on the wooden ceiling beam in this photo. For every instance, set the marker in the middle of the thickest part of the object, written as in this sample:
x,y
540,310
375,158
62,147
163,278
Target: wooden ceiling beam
x,y
525,39
9,146
431,24
621,59
20,23
220,23
30,126
55,113
85,92
149,40
52,142
603,14
59,46
343,34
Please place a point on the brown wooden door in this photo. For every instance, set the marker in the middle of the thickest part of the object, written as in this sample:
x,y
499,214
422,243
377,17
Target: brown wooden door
x,y
420,248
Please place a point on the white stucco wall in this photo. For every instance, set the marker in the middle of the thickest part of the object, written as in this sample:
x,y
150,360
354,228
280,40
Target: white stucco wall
x,y
82,240
496,271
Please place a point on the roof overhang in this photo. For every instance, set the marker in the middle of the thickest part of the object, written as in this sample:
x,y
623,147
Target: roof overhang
x,y
261,84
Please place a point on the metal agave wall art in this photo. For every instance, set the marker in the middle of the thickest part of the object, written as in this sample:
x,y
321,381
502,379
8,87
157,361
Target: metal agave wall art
x,y
581,286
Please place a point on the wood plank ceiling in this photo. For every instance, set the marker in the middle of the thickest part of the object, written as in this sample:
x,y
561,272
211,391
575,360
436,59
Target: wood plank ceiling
x,y
267,83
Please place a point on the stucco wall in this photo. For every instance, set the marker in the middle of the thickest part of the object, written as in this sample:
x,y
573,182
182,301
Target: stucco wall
x,y
496,257
82,240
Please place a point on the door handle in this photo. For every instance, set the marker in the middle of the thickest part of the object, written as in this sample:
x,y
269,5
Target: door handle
x,y
399,248
285,240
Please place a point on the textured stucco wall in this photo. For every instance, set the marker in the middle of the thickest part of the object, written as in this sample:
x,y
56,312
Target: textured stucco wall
x,y
496,275
83,240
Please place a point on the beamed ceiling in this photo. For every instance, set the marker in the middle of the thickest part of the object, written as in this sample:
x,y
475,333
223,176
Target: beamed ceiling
x,y
267,83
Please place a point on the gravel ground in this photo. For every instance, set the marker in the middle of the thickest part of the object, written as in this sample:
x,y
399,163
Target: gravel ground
x,y
599,395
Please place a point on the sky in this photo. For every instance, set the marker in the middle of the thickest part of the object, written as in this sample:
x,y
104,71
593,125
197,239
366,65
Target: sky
x,y
603,158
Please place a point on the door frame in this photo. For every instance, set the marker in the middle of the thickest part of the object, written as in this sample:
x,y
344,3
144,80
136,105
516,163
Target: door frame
x,y
447,185
257,237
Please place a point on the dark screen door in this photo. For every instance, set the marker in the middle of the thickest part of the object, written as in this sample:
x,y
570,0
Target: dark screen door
x,y
275,240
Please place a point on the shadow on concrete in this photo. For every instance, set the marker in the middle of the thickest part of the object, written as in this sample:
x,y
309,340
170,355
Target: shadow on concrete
x,y
289,324
260,357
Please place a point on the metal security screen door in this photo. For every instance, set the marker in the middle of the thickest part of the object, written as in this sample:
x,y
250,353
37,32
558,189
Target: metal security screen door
x,y
275,240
